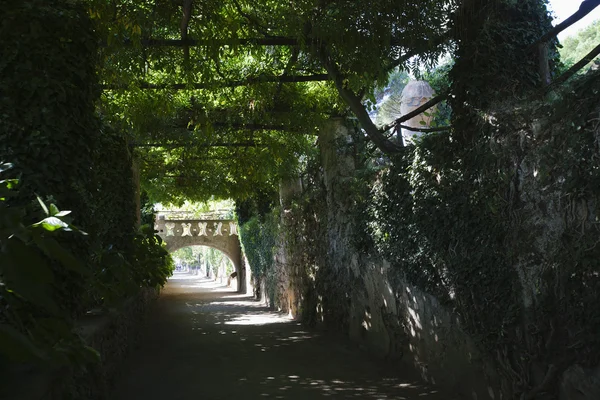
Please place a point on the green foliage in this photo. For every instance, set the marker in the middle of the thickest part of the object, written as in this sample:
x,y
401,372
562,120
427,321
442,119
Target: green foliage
x,y
196,256
63,153
147,211
188,255
122,274
459,222
492,63
35,323
439,79
575,47
215,259
152,264
222,132
47,81
259,205
34,326
211,209
49,130
258,237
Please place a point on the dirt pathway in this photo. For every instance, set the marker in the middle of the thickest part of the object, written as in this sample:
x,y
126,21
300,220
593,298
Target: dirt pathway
x,y
203,341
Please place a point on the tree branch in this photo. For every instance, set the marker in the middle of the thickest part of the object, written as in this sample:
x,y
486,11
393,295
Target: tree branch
x,y
407,56
586,7
185,21
288,68
354,102
254,127
415,112
425,130
251,19
266,41
544,65
576,67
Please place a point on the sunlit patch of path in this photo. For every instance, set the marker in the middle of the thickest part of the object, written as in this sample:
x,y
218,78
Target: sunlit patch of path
x,y
203,341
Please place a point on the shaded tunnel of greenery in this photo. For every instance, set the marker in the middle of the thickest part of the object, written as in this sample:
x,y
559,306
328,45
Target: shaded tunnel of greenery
x,y
108,108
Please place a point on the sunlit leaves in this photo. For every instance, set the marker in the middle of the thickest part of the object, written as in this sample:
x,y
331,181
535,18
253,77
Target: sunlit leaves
x,y
363,39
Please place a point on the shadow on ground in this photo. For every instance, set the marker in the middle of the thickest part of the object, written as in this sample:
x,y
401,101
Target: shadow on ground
x,y
203,341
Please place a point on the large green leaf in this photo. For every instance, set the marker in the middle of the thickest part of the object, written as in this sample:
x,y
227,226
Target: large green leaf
x,y
52,224
53,210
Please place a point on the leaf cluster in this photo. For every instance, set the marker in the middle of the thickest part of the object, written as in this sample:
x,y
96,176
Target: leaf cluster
x,y
34,325
63,153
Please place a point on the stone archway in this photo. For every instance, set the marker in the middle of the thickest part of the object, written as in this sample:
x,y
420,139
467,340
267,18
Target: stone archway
x,y
218,234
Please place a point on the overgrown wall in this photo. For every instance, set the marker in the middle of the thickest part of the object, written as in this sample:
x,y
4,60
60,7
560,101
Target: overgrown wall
x,y
477,265
367,297
53,273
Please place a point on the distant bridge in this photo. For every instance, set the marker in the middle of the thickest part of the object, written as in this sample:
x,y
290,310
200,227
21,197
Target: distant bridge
x,y
216,233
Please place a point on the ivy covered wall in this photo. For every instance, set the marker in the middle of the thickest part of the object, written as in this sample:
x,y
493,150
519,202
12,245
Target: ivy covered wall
x,y
460,271
58,265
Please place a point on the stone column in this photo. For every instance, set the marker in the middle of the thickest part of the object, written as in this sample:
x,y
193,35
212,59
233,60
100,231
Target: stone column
x,y
337,158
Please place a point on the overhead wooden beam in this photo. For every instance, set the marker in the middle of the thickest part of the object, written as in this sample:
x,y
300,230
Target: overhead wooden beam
x,y
266,41
247,81
258,127
272,41
200,144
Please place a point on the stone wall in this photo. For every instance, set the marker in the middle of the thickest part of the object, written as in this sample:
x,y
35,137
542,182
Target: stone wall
x,y
550,249
355,294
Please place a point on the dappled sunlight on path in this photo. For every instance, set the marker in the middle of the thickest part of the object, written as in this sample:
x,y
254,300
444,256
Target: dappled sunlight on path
x,y
204,341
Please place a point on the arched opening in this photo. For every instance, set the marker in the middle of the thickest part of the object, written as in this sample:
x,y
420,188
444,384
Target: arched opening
x,y
218,234
208,262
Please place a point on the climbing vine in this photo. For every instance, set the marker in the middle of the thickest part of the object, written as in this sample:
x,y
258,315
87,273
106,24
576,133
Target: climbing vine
x,y
259,237
505,235
62,153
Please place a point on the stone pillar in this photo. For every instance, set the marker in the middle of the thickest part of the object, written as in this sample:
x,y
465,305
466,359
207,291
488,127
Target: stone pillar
x,y
337,158
334,281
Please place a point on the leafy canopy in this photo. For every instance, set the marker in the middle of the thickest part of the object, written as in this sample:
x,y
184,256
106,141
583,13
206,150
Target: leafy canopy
x,y
223,97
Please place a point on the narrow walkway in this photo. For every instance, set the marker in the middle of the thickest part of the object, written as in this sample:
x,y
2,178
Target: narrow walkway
x,y
203,341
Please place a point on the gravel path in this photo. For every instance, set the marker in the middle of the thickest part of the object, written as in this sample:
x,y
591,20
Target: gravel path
x,y
204,341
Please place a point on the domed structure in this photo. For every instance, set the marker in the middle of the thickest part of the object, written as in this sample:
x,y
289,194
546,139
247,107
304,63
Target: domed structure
x,y
414,95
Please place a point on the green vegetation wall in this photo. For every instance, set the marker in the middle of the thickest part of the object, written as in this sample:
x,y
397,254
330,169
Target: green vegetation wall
x,y
259,236
47,100
503,232
49,128
47,96
62,152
